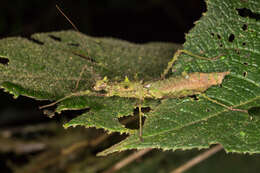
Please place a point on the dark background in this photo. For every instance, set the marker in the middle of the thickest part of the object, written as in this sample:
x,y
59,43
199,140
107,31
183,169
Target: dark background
x,y
133,20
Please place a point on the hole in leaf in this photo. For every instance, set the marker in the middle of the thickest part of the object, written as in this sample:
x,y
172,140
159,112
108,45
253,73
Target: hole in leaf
x,y
221,45
244,73
207,110
55,38
73,44
255,112
194,97
145,109
35,41
4,60
245,63
243,43
244,27
212,34
132,121
219,37
245,12
231,37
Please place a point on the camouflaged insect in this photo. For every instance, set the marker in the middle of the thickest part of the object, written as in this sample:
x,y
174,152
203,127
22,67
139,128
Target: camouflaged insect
x,y
174,87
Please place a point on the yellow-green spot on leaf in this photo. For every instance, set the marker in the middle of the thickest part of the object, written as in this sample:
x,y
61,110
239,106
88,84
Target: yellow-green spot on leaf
x,y
222,57
242,134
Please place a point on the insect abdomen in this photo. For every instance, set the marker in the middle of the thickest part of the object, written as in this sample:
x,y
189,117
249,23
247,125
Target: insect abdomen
x,y
181,86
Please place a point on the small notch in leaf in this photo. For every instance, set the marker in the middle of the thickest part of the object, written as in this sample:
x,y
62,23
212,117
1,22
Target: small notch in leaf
x,y
245,63
132,121
231,38
70,114
4,60
55,38
245,12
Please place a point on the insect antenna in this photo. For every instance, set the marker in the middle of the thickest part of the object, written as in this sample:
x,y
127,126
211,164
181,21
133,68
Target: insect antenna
x,y
87,57
75,27
67,18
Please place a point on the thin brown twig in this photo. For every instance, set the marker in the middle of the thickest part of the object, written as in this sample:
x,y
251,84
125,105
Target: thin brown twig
x,y
129,159
201,157
74,147
48,158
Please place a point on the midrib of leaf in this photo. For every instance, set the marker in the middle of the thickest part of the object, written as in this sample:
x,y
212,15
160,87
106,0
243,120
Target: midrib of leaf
x,y
219,113
198,121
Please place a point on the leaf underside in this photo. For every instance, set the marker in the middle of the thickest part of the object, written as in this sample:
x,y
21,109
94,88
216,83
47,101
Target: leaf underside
x,y
49,66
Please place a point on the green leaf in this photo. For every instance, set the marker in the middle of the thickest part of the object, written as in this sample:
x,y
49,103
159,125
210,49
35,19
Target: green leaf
x,y
104,113
49,65
230,29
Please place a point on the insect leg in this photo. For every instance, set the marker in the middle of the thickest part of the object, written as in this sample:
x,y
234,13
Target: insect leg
x,y
221,104
81,93
177,54
140,121
80,77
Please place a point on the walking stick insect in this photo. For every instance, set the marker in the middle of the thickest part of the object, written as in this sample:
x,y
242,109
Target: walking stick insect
x,y
173,87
